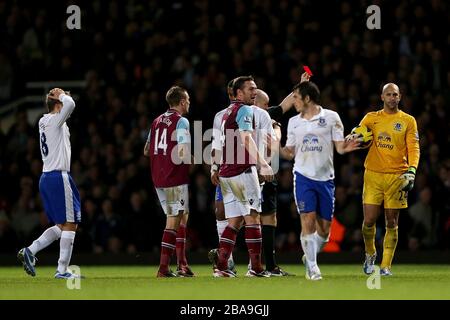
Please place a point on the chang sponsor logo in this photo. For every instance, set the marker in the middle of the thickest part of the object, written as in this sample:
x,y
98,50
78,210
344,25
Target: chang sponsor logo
x,y
384,141
311,143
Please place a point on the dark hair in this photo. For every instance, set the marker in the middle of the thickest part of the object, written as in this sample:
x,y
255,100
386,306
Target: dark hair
x,y
308,88
230,84
239,83
175,95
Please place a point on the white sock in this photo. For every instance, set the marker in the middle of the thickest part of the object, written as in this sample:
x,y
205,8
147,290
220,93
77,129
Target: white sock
x,y
221,225
310,249
65,250
320,241
46,238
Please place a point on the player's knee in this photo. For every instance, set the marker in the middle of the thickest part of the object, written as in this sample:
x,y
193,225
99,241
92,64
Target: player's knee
x,y
369,223
172,223
391,223
308,222
235,222
68,226
252,219
269,220
184,218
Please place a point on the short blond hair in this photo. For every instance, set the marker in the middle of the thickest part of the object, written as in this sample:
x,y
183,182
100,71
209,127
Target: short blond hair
x,y
175,94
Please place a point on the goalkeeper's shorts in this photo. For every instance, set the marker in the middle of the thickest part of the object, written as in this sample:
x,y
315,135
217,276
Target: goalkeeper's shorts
x,y
384,188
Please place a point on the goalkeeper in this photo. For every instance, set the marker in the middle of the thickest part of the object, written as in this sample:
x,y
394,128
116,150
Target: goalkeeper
x,y
391,165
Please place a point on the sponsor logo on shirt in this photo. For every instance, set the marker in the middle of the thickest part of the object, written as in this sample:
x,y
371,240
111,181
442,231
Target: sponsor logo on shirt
x,y
384,141
311,143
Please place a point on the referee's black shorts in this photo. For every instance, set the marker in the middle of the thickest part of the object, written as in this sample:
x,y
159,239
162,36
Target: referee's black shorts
x,y
269,198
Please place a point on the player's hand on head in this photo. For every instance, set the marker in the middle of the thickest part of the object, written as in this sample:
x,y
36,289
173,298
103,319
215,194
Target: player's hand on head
x,y
55,93
407,179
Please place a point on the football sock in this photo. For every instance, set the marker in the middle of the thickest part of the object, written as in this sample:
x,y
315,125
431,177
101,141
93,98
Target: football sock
x,y
389,245
226,246
253,239
268,241
369,238
310,249
221,225
46,238
167,249
320,241
65,250
181,245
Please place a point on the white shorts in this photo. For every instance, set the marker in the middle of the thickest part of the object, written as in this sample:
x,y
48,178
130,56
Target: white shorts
x,y
174,199
241,193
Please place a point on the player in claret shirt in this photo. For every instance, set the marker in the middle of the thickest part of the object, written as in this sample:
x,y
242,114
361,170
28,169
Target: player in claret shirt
x,y
239,180
168,146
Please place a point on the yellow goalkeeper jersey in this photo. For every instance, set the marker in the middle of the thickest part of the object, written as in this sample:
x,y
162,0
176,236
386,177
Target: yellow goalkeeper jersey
x,y
395,144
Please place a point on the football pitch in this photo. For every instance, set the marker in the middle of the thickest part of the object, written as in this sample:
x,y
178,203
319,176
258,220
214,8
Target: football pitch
x,y
139,282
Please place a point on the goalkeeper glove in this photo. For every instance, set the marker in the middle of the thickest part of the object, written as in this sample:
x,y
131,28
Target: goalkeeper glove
x,y
408,179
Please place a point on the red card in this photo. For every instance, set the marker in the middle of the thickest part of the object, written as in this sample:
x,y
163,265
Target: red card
x,y
307,70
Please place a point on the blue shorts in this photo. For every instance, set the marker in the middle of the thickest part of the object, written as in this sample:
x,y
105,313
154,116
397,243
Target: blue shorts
x,y
219,196
60,197
311,195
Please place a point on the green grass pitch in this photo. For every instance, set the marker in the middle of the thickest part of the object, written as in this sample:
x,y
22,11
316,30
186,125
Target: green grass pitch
x,y
139,282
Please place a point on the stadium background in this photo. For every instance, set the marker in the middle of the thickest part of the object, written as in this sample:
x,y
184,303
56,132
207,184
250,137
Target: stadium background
x,y
126,56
